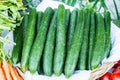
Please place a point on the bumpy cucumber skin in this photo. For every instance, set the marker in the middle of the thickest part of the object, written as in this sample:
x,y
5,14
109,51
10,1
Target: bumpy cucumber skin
x,y
71,28
39,20
25,25
82,63
49,47
18,39
60,41
91,38
99,42
38,46
73,52
28,39
107,20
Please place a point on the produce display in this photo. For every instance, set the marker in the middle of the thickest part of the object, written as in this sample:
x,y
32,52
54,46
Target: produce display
x,y
61,41
57,42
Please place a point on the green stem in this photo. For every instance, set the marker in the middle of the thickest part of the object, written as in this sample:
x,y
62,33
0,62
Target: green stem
x,y
2,54
116,9
4,40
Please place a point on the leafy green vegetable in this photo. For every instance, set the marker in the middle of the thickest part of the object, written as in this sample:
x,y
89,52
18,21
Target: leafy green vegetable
x,y
10,14
10,17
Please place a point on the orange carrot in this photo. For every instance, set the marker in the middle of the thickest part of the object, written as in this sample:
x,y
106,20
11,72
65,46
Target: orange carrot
x,y
6,69
2,75
20,78
14,74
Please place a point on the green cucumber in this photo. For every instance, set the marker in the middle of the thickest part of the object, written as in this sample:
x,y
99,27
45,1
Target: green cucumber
x,y
18,39
67,18
72,26
28,39
38,46
60,41
38,23
39,19
107,20
19,36
25,25
82,63
99,42
91,38
49,47
73,52
67,21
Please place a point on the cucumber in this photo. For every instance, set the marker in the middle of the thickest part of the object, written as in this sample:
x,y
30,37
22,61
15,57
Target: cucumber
x,y
49,47
39,68
39,19
67,18
82,63
28,39
60,41
72,26
99,42
38,46
38,23
19,36
107,20
91,38
67,21
18,39
73,52
25,25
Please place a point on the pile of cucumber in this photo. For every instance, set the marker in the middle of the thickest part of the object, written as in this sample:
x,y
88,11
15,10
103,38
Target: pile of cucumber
x,y
60,41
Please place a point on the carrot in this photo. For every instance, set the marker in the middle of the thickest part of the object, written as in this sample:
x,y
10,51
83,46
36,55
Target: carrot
x,y
15,71
6,69
14,74
20,78
2,75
